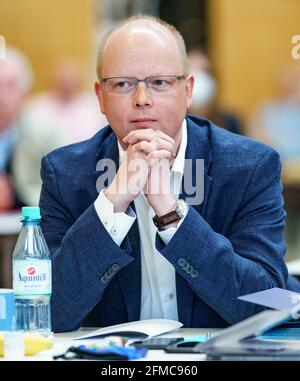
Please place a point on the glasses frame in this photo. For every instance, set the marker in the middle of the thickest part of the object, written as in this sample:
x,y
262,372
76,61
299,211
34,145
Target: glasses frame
x,y
145,80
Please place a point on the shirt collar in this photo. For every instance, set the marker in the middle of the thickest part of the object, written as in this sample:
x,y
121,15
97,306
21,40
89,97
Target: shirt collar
x,y
178,165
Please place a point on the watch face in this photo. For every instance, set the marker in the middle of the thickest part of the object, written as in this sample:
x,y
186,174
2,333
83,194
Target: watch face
x,y
181,208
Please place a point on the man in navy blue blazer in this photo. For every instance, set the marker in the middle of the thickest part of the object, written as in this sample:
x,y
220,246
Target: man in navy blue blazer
x,y
122,253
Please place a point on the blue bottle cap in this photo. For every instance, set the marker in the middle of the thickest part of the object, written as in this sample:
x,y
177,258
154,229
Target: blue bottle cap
x,y
31,213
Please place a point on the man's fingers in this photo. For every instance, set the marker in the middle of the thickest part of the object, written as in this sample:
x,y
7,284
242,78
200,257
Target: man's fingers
x,y
144,146
154,145
148,135
161,144
154,156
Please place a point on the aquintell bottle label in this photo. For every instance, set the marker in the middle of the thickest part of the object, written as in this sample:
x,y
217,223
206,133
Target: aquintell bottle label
x,y
32,277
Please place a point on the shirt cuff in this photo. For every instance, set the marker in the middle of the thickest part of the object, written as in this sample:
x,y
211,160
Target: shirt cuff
x,y
116,224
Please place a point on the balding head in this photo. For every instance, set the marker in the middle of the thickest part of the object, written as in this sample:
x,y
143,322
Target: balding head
x,y
18,65
15,82
147,30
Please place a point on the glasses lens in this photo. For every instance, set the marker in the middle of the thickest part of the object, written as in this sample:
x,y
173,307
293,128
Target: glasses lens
x,y
162,84
157,84
120,85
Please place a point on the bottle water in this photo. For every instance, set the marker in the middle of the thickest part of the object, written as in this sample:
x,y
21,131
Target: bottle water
x,y
32,276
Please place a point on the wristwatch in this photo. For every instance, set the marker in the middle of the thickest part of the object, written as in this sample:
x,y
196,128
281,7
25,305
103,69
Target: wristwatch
x,y
175,215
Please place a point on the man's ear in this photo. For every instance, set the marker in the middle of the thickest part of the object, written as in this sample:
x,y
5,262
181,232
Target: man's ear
x,y
190,80
98,91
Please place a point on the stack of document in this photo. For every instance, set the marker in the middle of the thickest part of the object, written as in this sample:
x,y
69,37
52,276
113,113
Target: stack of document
x,y
141,329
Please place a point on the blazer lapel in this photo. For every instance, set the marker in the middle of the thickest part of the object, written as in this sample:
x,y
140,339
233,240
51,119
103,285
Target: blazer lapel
x,y
107,155
198,147
129,278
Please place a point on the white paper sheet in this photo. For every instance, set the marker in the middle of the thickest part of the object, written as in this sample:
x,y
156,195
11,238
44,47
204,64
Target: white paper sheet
x,y
150,327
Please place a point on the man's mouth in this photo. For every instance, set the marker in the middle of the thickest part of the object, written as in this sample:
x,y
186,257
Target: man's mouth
x,y
143,120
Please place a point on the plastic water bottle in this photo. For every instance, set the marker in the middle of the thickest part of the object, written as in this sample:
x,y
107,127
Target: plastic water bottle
x,y
32,276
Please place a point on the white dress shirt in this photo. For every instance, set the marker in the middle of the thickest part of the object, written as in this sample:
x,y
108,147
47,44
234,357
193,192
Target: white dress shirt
x,y
158,294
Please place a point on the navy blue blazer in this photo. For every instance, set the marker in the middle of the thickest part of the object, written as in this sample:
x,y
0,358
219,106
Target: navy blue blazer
x,y
233,241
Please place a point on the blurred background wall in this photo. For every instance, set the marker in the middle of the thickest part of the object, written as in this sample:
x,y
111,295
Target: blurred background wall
x,y
250,43
48,30
250,38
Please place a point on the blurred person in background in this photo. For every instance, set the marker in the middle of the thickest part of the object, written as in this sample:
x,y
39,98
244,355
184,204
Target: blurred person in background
x,y
17,174
15,82
12,91
74,116
74,110
205,91
277,122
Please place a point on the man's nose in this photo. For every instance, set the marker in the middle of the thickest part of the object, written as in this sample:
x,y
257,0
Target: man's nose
x,y
142,97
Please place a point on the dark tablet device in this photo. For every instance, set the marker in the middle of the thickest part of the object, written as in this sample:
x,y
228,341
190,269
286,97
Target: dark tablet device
x,y
157,342
182,347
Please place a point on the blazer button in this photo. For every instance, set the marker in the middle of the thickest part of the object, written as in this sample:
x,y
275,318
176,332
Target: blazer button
x,y
186,266
181,262
115,267
194,273
104,279
189,269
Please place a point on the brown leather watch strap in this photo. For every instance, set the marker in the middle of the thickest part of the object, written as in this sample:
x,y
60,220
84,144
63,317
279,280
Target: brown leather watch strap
x,y
166,219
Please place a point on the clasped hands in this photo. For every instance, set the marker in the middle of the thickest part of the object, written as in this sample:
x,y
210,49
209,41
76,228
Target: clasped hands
x,y
144,167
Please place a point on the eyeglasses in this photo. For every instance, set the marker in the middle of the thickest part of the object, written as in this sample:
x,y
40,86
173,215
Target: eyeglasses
x,y
160,84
